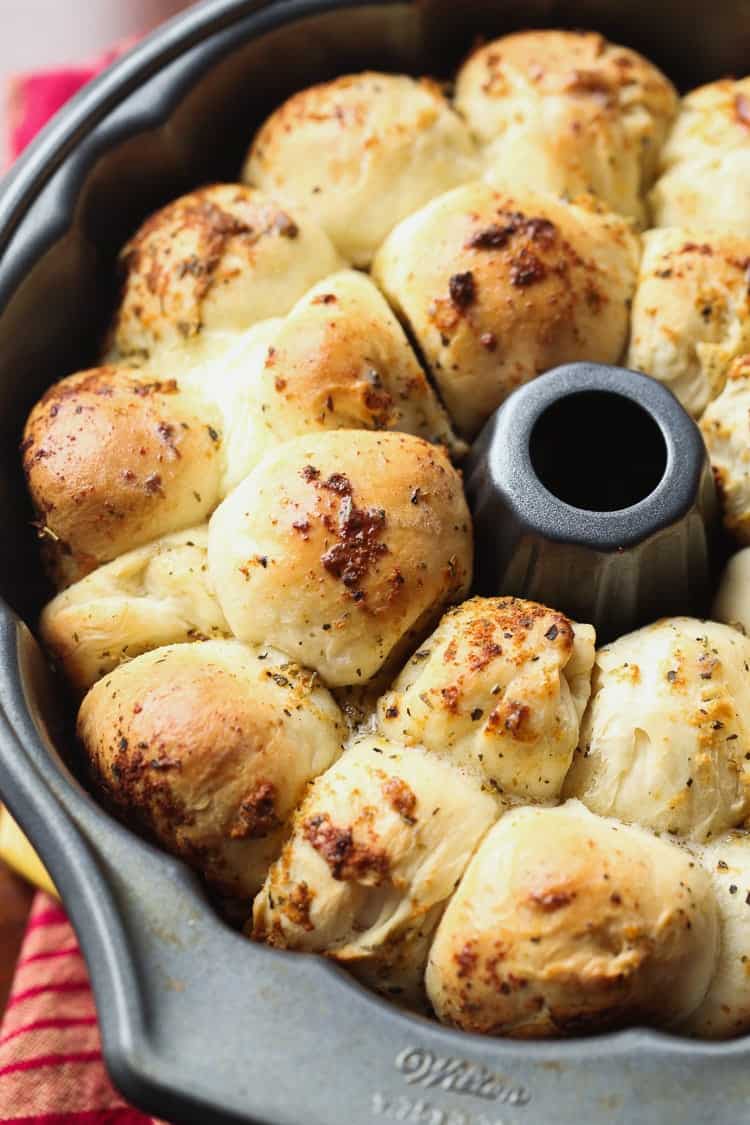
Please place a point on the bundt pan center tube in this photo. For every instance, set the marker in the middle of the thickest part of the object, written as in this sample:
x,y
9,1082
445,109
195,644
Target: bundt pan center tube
x,y
199,1024
591,490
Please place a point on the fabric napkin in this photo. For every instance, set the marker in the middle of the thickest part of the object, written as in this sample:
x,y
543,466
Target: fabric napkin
x,y
34,97
51,1068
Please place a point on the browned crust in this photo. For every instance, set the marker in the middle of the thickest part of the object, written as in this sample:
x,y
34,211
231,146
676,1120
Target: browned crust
x,y
348,859
107,455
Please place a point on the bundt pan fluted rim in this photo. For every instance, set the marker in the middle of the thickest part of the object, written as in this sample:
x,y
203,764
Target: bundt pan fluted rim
x,y
199,1024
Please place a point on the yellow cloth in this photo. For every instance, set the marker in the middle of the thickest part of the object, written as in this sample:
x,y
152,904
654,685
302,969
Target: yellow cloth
x,y
18,853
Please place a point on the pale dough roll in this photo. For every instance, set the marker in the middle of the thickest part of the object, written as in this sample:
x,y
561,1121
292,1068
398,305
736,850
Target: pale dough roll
x,y
725,1010
726,430
665,741
706,161
567,922
499,689
377,848
568,112
219,259
708,194
339,360
338,545
691,316
208,748
362,152
732,601
499,287
231,370
115,458
153,596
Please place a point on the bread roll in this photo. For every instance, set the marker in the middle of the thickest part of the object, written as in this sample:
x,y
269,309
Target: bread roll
x,y
219,259
690,315
567,112
665,741
156,595
175,447
115,458
566,922
498,288
499,689
232,372
726,431
362,152
377,848
208,748
339,360
705,163
338,544
725,1009
732,601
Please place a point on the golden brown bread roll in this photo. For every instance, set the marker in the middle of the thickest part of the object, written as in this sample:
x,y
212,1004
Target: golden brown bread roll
x,y
215,399
566,922
156,595
498,288
568,112
665,741
690,314
705,163
499,689
362,152
219,259
725,1010
339,360
114,458
338,545
377,847
208,747
726,431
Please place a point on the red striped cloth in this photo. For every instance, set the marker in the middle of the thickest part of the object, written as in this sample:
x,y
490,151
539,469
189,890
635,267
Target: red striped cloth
x,y
33,98
51,1069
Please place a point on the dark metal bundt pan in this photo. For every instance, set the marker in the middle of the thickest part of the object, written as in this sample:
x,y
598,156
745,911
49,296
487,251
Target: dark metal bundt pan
x,y
591,491
198,1024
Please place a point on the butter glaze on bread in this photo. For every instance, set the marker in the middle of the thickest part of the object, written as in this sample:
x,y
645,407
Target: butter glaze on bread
x,y
566,922
156,595
725,1009
362,152
691,315
338,545
705,164
498,689
499,286
208,747
338,361
218,259
726,431
377,848
665,741
570,113
115,458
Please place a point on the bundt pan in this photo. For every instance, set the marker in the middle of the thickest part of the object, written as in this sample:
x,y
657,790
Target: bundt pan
x,y
591,491
199,1024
